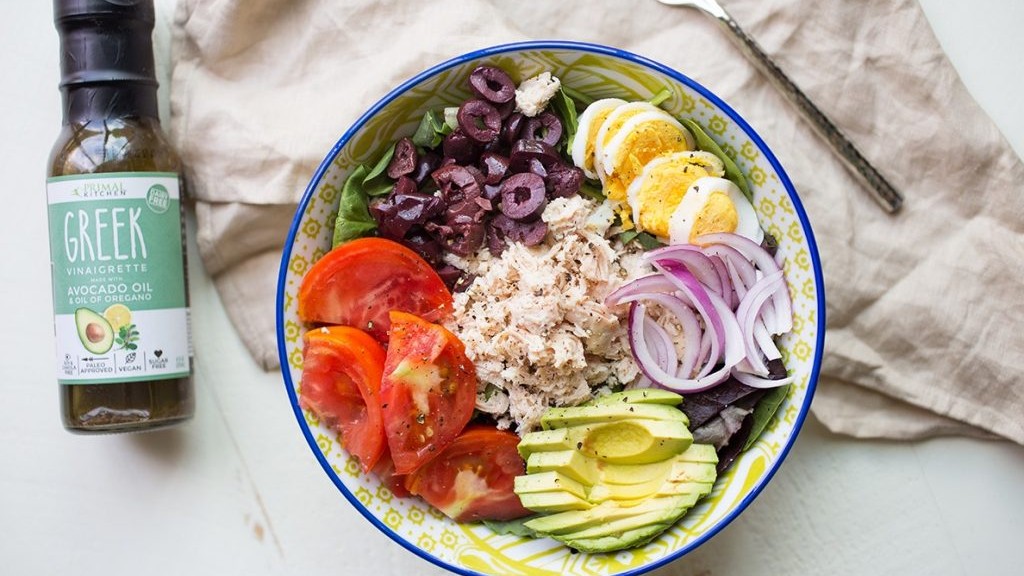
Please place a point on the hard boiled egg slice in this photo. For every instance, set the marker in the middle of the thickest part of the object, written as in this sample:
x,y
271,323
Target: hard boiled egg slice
x,y
654,195
713,205
622,153
589,124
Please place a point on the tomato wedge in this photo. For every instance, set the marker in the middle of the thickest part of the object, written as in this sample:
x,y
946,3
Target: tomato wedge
x,y
385,470
428,390
341,374
472,479
358,283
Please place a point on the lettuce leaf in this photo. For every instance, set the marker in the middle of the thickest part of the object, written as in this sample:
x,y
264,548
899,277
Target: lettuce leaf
x,y
431,131
354,220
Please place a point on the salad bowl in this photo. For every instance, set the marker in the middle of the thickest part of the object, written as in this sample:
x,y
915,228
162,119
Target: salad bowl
x,y
599,72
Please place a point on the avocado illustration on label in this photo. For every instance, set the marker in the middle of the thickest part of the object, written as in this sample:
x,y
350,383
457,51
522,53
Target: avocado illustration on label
x,y
94,331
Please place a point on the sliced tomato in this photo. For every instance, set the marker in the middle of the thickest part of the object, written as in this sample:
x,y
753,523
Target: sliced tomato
x,y
385,470
341,375
472,479
428,390
358,283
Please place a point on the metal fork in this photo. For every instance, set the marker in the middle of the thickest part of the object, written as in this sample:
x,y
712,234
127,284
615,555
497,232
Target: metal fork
x,y
883,192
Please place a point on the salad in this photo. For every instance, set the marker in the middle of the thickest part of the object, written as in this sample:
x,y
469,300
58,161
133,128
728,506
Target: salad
x,y
548,313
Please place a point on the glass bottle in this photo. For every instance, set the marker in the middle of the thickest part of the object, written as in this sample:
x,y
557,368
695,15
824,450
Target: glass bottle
x,y
124,357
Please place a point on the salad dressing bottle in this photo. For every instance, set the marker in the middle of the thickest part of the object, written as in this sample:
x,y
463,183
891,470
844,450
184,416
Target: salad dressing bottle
x,y
120,292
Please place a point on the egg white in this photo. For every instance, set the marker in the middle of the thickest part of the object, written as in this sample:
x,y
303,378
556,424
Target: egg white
x,y
612,125
681,222
585,122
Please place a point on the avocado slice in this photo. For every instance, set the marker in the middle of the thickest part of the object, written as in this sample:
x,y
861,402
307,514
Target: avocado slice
x,y
630,441
638,396
548,482
94,331
578,520
545,502
581,415
700,453
627,539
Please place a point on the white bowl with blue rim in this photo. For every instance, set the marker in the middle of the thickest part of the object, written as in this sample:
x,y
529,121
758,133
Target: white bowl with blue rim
x,y
599,72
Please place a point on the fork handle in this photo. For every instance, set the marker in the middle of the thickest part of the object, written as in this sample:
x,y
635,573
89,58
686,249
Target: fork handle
x,y
881,190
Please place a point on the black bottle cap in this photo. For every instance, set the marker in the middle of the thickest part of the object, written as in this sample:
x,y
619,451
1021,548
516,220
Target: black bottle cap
x,y
106,57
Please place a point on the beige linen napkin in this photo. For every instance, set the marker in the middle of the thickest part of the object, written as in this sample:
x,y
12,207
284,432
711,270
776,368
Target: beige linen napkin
x,y
924,309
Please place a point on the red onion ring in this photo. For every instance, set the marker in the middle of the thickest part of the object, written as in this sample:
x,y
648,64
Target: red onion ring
x,y
763,260
651,283
695,261
748,313
758,382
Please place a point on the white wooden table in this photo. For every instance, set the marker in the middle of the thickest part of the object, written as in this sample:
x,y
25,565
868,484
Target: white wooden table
x,y
237,491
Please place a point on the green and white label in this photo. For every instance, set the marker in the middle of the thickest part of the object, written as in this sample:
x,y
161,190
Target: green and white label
x,y
119,294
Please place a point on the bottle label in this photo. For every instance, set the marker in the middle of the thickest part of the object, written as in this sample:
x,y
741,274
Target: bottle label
x,y
119,293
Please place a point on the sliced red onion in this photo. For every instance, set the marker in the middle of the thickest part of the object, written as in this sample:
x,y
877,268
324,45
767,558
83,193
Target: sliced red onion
x,y
648,365
664,348
695,261
728,292
755,381
748,313
692,333
764,339
699,297
644,285
763,260
734,352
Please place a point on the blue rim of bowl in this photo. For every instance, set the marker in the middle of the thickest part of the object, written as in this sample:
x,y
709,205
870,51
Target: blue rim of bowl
x,y
551,45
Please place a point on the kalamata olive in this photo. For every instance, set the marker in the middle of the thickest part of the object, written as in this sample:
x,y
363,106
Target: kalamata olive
x,y
462,229
537,167
529,233
456,183
564,181
479,120
449,274
460,147
494,167
404,209
426,164
511,127
492,191
404,160
477,174
496,242
463,212
525,150
503,230
545,127
523,196
505,109
428,248
492,84
456,280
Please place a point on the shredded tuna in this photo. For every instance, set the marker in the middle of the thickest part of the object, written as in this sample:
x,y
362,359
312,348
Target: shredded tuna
x,y
534,320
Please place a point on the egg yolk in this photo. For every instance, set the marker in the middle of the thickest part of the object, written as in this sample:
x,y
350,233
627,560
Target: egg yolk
x,y
644,143
717,215
662,190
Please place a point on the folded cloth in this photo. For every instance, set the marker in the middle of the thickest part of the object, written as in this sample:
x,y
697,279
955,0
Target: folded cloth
x,y
924,311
